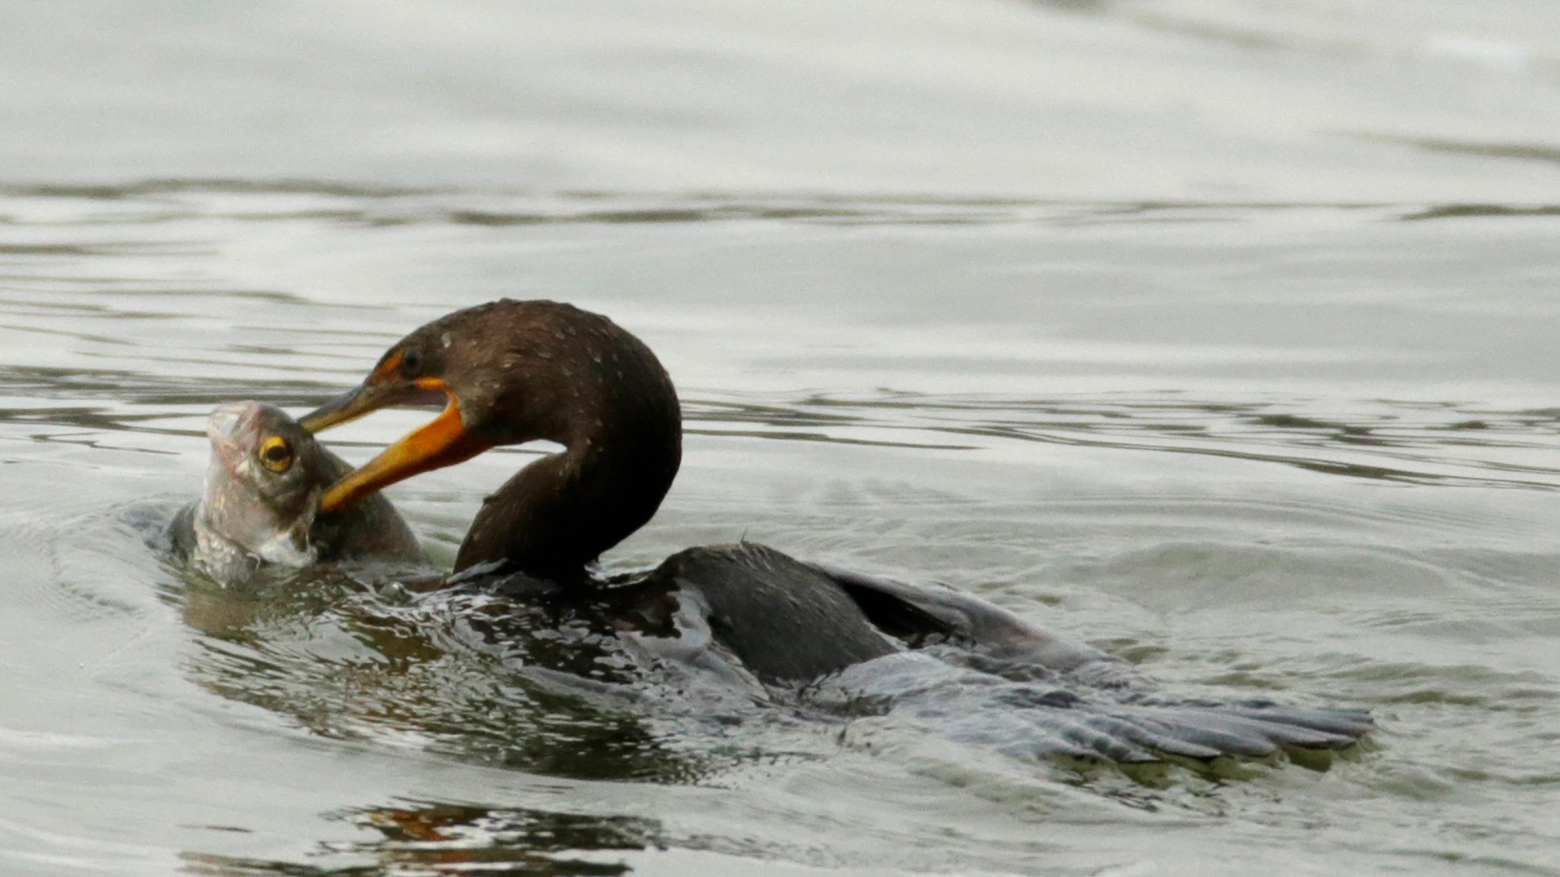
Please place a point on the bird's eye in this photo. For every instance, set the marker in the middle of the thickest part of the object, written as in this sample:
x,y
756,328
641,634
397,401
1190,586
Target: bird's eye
x,y
411,361
276,454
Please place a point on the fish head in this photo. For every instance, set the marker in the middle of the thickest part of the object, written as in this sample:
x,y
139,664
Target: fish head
x,y
263,483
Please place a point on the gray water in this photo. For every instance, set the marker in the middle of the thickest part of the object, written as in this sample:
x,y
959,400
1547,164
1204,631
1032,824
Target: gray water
x,y
1220,335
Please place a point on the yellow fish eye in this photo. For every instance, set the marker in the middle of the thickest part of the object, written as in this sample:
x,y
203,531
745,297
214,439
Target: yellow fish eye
x,y
276,454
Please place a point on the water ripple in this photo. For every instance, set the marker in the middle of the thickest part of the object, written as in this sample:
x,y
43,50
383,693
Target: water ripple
x,y
173,201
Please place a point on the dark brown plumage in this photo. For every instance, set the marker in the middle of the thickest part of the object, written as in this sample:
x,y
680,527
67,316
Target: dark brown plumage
x,y
511,372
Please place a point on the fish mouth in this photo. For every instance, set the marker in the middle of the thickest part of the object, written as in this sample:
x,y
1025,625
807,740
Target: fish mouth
x,y
231,428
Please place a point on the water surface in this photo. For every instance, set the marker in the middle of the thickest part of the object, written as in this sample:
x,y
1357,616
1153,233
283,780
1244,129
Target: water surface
x,y
1218,335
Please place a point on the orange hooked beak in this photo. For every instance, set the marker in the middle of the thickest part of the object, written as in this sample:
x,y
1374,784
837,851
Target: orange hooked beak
x,y
442,442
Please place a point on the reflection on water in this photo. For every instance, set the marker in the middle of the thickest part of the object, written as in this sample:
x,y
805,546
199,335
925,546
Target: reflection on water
x,y
1522,151
160,202
430,837
1458,211
1468,443
1412,435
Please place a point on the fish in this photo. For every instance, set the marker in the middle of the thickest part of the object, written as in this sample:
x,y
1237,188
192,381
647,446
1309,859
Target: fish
x,y
259,506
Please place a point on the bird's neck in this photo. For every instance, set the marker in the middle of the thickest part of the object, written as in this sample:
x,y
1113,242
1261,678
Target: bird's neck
x,y
557,515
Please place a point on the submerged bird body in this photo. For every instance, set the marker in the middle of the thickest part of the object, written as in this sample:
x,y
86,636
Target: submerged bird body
x,y
511,372
259,502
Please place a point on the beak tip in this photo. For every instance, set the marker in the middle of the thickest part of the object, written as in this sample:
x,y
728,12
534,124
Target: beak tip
x,y
337,410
